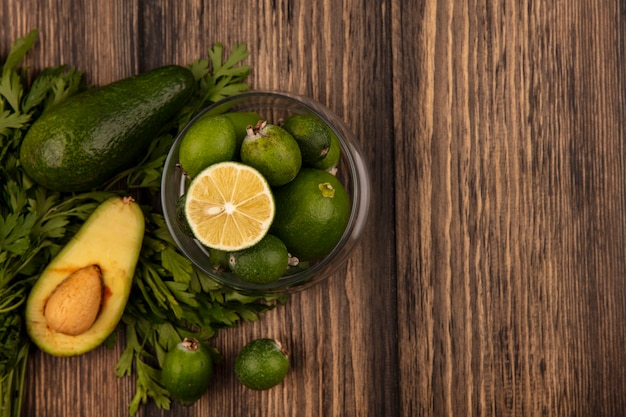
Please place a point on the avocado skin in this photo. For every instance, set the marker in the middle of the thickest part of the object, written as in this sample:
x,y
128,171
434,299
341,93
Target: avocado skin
x,y
110,238
85,140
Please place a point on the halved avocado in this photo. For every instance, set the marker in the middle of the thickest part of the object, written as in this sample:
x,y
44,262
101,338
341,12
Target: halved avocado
x,y
110,240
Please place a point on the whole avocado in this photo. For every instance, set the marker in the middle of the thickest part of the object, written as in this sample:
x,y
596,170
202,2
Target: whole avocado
x,y
87,139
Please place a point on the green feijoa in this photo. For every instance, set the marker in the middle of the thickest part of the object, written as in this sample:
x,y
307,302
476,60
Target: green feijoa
x,y
312,136
262,364
272,151
296,266
219,259
181,219
331,160
187,371
241,120
262,263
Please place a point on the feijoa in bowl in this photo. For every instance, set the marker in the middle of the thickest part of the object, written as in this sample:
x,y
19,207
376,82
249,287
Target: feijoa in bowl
x,y
351,171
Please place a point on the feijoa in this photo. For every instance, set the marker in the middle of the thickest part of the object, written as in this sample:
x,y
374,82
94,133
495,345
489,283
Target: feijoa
x,y
219,259
312,135
273,152
262,263
262,364
181,220
241,120
331,160
187,371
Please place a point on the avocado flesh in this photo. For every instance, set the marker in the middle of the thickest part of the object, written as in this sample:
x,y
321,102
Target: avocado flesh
x,y
111,238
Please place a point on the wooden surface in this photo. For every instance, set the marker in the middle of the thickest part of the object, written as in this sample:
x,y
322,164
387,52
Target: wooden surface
x,y
490,281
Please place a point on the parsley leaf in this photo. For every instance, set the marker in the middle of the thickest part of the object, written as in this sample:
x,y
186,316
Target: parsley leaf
x,y
169,299
34,223
19,49
10,121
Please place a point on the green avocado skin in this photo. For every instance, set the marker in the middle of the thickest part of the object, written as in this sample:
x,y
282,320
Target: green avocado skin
x,y
90,137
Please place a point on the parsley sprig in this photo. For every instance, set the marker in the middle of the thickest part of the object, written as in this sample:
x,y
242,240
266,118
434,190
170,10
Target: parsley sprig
x,y
169,298
34,222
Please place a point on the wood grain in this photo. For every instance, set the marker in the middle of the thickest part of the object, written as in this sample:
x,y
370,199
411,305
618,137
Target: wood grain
x,y
515,267
490,281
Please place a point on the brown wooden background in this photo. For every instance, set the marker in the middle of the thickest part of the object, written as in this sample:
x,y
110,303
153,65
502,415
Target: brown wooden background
x,y
491,277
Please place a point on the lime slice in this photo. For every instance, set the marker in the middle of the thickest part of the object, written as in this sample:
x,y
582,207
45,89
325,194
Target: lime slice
x,y
229,206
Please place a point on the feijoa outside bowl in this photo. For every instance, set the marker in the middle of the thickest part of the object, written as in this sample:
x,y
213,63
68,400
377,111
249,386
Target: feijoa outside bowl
x,y
351,171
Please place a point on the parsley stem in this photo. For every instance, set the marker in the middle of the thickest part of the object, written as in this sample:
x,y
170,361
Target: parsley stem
x,y
12,297
12,386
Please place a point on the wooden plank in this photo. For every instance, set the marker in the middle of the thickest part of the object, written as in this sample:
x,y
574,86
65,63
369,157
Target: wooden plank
x,y
514,270
491,277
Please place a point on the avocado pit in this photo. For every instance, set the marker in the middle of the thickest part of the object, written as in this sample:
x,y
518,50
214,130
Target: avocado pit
x,y
73,306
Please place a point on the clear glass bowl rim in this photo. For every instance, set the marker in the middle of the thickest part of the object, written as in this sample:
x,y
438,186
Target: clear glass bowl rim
x,y
352,155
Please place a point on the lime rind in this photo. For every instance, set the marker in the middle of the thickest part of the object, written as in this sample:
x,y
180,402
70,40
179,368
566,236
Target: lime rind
x,y
211,139
218,217
312,213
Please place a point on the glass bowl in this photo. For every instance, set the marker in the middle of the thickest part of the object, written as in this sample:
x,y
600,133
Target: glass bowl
x,y
351,171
